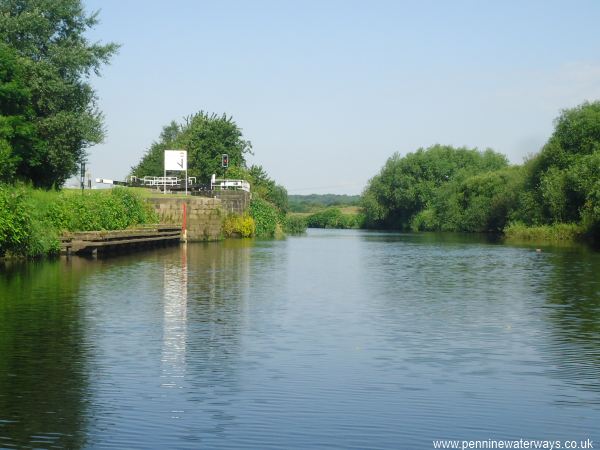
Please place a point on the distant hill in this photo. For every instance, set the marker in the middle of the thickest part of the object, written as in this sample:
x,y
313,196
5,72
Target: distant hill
x,y
314,202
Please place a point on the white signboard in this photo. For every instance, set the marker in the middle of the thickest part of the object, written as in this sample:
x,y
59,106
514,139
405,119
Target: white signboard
x,y
175,160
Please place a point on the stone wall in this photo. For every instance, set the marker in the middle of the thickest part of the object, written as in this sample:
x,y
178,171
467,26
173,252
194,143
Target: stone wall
x,y
233,201
204,215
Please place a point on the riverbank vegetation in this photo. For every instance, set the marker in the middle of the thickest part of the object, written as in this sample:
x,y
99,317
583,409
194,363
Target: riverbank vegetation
x,y
206,137
49,117
517,231
294,224
312,203
48,109
326,210
32,220
236,225
335,217
555,194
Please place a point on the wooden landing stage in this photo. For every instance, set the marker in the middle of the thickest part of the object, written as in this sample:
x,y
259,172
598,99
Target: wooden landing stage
x,y
94,242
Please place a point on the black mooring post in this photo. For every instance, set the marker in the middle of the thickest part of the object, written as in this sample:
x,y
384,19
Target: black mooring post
x,y
82,176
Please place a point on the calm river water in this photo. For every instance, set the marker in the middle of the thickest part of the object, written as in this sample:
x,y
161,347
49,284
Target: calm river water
x,y
336,339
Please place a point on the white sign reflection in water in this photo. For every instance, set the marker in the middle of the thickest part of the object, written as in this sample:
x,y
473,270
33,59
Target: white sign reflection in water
x,y
175,323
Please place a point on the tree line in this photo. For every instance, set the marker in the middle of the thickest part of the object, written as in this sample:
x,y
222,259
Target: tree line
x,y
316,202
48,110
442,188
49,118
206,137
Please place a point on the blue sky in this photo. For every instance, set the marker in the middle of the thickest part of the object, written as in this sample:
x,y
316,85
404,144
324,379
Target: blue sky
x,y
328,90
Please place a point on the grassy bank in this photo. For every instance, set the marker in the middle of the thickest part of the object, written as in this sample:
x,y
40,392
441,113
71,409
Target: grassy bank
x,y
263,219
333,217
559,232
32,220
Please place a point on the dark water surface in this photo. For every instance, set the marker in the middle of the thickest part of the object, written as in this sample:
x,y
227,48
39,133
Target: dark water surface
x,y
338,339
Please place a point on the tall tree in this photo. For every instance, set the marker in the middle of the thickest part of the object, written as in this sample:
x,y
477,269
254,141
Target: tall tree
x,y
407,185
205,137
16,129
563,178
53,61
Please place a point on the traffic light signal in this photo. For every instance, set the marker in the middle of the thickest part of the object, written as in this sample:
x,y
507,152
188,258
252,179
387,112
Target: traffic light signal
x,y
224,160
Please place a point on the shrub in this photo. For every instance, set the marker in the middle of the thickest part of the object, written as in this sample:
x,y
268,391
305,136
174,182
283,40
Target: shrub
x,y
294,225
116,209
31,220
14,221
235,225
334,218
425,220
265,216
555,232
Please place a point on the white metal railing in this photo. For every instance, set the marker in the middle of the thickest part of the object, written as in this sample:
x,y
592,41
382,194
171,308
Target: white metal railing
x,y
160,181
230,184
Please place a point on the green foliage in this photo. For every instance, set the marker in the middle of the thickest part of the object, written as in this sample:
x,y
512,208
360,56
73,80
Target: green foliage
x,y
563,178
24,231
262,186
265,187
205,137
554,195
407,185
14,221
15,113
48,110
265,216
577,132
477,203
314,202
115,209
425,220
334,218
517,231
279,197
8,160
294,225
236,225
31,220
588,183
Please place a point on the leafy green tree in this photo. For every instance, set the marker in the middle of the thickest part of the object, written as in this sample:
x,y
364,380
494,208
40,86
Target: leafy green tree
x,y
563,177
279,197
479,203
205,137
333,218
152,163
407,185
585,178
265,216
54,60
267,188
16,129
314,202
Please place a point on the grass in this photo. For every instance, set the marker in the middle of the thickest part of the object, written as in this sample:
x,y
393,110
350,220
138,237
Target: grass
x,y
32,220
558,232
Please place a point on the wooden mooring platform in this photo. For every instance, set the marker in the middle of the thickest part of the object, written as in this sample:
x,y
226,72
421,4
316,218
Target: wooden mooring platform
x,y
94,242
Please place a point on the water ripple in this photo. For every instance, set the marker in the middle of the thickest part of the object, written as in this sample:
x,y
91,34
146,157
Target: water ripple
x,y
340,339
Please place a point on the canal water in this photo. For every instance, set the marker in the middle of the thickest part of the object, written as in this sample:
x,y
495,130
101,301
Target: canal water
x,y
337,339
